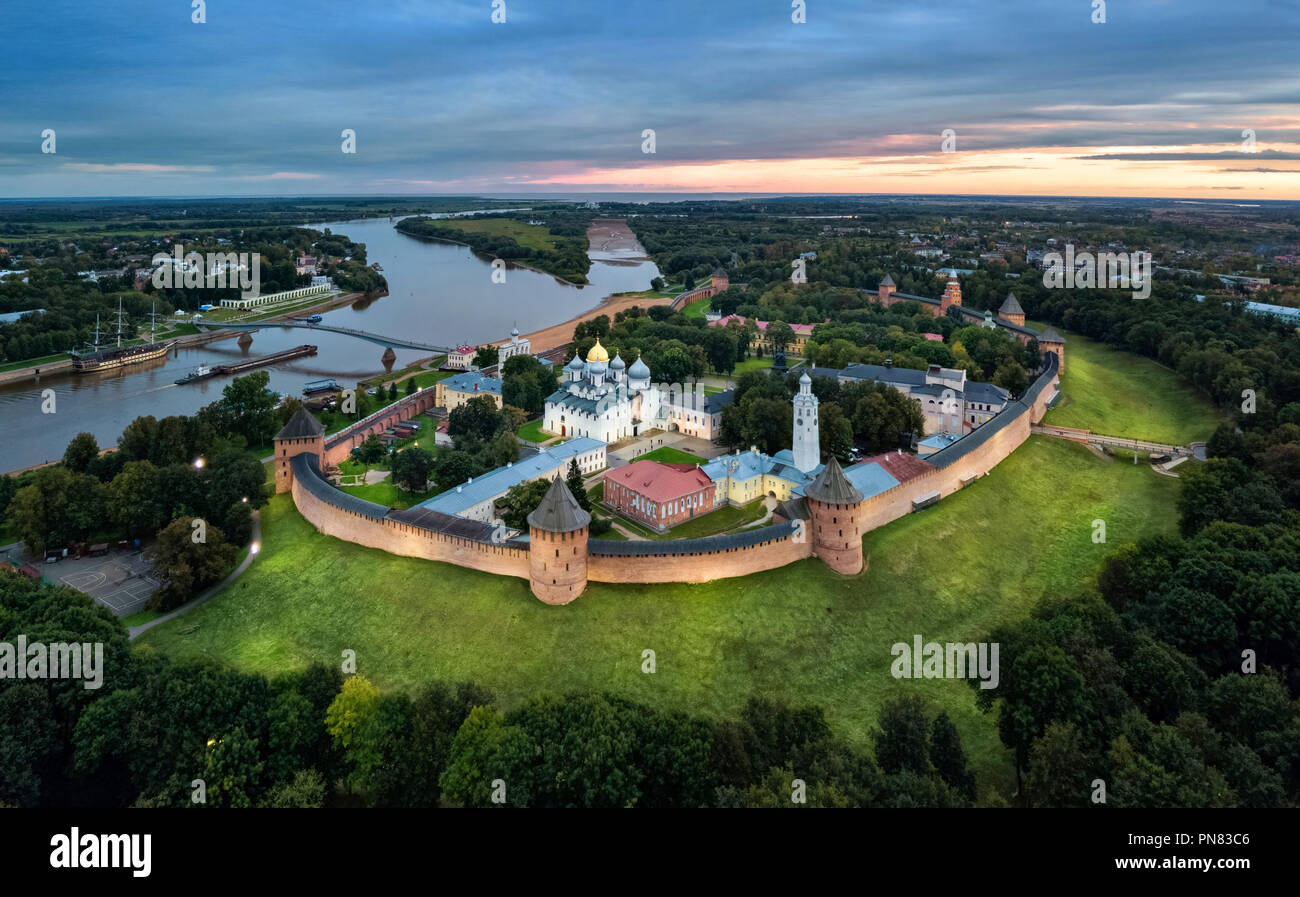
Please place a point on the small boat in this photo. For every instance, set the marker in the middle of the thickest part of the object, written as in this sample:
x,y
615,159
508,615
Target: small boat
x,y
202,372
310,319
325,385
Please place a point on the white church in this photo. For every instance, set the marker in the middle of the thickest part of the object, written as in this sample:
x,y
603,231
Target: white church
x,y
603,399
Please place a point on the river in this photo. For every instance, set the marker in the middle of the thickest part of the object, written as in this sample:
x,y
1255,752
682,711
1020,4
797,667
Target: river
x,y
438,293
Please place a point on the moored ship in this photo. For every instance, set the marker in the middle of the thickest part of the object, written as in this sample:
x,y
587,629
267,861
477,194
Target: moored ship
x,y
97,359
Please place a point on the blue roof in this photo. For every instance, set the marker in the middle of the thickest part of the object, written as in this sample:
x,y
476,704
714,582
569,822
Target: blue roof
x,y
495,482
939,440
465,383
869,478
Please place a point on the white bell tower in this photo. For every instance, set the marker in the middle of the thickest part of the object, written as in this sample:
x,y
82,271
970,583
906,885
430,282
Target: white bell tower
x,y
807,443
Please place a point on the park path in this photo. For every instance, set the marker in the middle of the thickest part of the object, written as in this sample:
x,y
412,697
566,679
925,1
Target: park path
x,y
135,632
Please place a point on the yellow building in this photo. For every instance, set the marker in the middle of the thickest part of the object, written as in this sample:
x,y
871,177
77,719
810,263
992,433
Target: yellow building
x,y
456,391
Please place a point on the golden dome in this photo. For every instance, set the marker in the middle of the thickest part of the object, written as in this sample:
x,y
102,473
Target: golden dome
x,y
598,353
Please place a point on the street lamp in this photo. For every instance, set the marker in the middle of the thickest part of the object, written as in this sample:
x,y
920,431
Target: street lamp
x,y
254,548
198,463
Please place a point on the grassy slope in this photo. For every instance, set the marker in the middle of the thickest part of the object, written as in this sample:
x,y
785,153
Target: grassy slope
x,y
1119,394
670,455
800,633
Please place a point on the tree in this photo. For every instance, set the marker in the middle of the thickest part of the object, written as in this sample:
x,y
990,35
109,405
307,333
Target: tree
x,y
246,409
1057,775
371,451
521,500
350,712
411,386
486,356
902,741
475,420
573,479
137,498
186,564
779,335
485,750
948,758
411,468
454,467
392,391
232,771
305,792
80,452
1011,377
835,433
39,509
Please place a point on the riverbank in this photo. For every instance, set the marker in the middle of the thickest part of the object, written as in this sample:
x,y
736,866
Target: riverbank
x,y
189,341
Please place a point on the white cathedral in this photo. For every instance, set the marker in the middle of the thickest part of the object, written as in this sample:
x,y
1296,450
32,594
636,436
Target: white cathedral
x,y
603,399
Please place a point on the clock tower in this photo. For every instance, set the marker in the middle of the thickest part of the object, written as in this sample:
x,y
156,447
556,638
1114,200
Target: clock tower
x,y
807,443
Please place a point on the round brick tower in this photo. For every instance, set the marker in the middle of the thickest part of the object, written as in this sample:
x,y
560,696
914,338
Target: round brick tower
x,y
557,546
836,510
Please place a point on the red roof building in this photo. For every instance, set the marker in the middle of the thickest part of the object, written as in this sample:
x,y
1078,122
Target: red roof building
x,y
657,494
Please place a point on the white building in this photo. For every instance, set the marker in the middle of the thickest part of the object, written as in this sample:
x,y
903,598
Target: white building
x,y
516,346
461,358
807,443
603,399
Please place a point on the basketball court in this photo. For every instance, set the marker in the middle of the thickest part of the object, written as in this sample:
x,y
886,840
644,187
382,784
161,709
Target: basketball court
x,y
121,582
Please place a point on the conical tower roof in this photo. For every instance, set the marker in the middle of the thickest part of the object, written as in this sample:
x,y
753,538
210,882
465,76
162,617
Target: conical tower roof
x,y
559,511
887,281
1011,306
832,486
1050,336
301,426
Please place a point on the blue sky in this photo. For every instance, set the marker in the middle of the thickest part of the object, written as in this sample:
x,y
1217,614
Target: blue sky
x,y
1041,99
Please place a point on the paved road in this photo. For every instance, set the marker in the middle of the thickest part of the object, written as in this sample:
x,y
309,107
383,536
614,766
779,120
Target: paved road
x,y
134,632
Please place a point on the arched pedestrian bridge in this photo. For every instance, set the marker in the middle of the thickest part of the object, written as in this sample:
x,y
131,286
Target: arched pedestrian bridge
x,y
388,342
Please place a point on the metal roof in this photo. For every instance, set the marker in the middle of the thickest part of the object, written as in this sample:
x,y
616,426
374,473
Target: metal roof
x,y
301,426
832,487
306,470
559,511
497,482
725,542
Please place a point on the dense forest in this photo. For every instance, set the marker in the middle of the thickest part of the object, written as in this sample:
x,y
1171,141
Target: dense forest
x,y
568,231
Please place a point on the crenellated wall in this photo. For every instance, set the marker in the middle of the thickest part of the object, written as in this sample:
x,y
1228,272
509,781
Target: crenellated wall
x,y
350,519
717,557
339,445
467,543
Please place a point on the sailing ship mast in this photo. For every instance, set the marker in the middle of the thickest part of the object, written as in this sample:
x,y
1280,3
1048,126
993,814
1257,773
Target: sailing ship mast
x,y
119,322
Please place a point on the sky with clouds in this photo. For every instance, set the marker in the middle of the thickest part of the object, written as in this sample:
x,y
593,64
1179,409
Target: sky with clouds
x,y
1041,99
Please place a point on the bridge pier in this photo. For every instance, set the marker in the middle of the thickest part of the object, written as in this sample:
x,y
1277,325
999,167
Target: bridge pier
x,y
388,358
245,339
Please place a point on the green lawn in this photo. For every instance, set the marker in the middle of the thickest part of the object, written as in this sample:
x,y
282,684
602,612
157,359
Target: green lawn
x,y
34,362
697,308
1117,393
533,432
801,633
670,455
532,236
386,493
751,364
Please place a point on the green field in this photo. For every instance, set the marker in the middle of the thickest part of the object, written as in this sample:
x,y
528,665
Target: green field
x,y
751,364
533,432
697,308
670,455
531,236
800,633
1116,393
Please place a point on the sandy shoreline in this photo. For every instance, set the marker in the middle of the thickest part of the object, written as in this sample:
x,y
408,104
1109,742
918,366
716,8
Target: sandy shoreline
x,y
606,235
